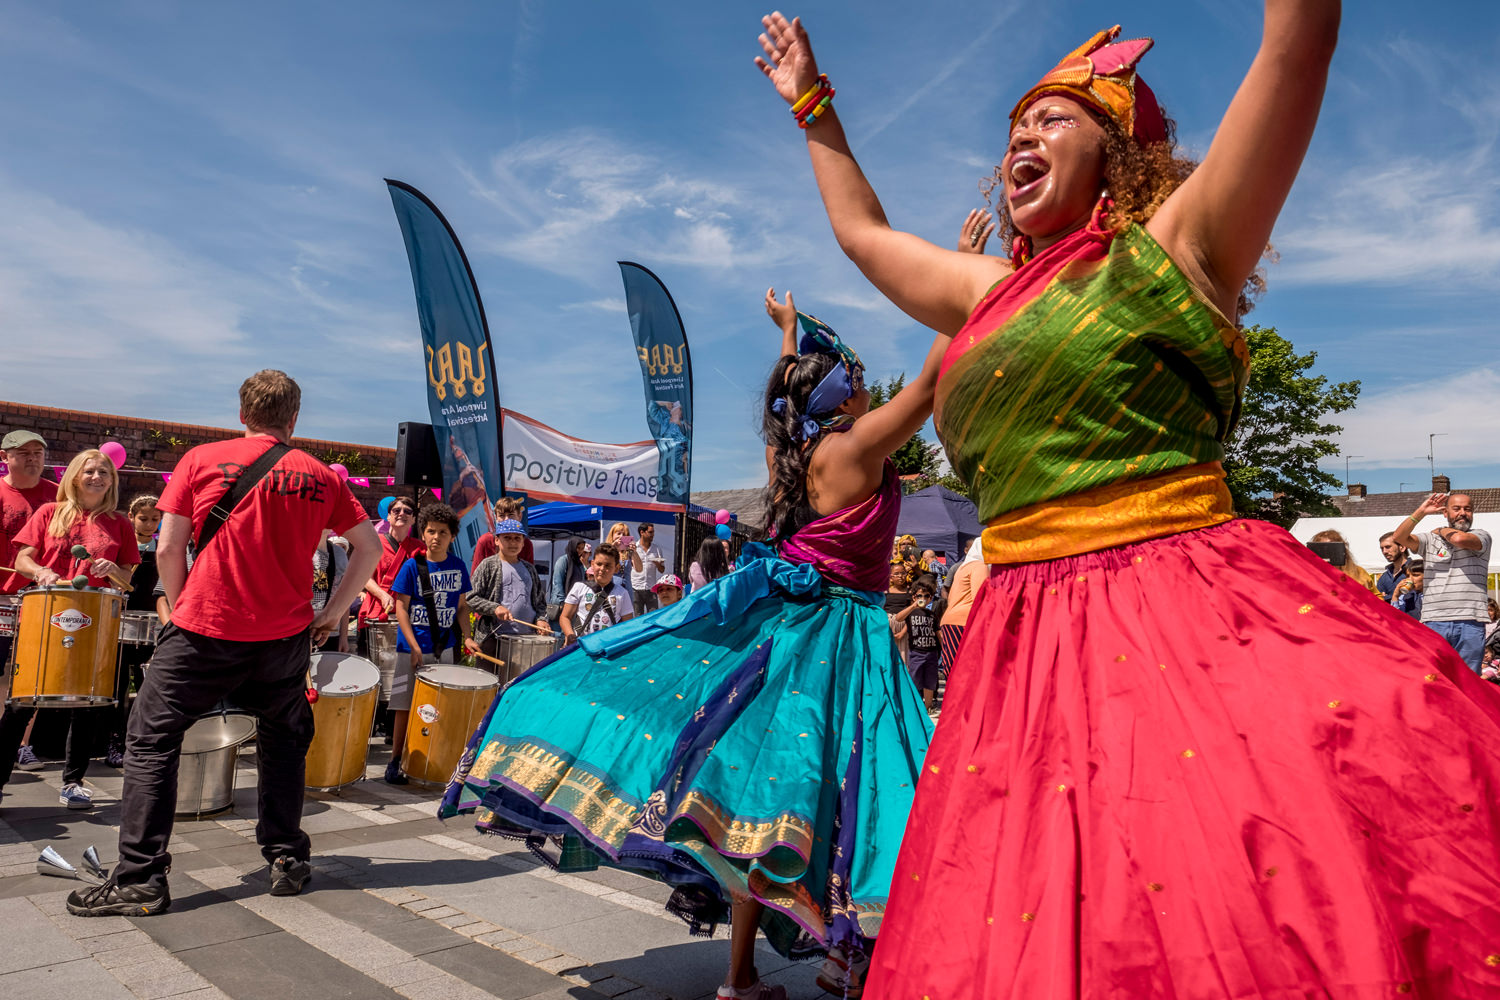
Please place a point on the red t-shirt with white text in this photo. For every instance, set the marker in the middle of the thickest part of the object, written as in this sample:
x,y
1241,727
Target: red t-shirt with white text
x,y
16,508
391,561
254,581
106,536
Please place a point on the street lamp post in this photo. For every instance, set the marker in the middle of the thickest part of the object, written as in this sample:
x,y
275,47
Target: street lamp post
x,y
1346,470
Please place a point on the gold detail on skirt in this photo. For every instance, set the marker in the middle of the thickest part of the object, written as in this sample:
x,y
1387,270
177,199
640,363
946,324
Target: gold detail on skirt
x,y
1165,504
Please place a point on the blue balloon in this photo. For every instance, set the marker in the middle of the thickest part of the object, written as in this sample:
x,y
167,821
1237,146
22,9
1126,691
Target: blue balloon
x,y
722,530
385,506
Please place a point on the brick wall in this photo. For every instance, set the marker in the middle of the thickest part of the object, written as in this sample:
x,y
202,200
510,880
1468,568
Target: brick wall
x,y
154,446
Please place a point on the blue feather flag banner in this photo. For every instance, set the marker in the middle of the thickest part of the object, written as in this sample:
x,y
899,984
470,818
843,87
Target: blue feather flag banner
x,y
661,346
458,363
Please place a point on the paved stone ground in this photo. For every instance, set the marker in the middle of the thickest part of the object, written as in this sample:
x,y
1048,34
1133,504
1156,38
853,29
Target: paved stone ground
x,y
401,905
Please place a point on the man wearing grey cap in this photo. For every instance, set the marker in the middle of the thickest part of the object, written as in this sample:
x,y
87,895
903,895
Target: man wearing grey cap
x,y
22,491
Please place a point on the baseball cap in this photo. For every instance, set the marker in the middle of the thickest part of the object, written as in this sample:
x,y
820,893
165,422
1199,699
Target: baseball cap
x,y
509,526
670,580
17,438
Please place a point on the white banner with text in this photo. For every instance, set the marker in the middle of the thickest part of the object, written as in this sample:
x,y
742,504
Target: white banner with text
x,y
551,465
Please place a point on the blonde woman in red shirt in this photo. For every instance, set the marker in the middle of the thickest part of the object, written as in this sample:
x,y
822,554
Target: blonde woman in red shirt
x,y
84,514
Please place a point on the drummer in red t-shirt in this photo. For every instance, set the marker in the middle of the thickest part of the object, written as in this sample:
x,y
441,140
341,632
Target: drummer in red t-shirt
x,y
242,627
85,515
396,546
22,491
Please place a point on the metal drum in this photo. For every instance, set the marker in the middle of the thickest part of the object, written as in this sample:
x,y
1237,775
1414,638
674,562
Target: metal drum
x,y
210,750
383,653
447,704
65,648
348,688
521,653
139,628
10,613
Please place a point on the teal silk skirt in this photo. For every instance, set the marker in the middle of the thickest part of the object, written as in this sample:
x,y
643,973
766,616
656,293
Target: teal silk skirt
x,y
759,739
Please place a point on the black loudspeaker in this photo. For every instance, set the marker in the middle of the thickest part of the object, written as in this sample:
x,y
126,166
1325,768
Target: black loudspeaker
x,y
417,460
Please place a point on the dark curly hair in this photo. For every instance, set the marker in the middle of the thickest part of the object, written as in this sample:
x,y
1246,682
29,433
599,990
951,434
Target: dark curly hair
x,y
793,378
437,513
1139,179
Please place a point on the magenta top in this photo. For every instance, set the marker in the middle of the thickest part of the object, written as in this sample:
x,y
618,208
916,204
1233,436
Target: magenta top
x,y
852,548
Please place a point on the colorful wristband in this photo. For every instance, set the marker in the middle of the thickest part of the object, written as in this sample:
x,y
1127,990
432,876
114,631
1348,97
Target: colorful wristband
x,y
816,109
818,85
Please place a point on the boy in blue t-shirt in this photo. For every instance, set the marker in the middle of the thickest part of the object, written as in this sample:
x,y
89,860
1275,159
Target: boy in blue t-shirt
x,y
423,641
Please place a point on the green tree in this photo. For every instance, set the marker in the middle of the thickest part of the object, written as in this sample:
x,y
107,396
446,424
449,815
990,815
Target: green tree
x,y
1271,460
916,457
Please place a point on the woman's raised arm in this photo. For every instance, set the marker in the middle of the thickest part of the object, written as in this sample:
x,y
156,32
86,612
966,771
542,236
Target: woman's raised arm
x,y
1221,217
934,286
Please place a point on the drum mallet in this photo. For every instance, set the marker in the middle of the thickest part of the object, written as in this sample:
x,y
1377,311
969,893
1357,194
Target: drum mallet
x,y
80,553
485,656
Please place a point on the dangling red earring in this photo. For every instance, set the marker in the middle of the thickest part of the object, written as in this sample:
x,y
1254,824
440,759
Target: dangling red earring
x,y
1020,250
1099,221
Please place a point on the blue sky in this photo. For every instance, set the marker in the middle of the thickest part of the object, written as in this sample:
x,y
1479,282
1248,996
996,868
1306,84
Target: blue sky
x,y
190,192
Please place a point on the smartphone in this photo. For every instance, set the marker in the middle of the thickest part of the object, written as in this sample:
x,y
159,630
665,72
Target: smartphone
x,y
1333,553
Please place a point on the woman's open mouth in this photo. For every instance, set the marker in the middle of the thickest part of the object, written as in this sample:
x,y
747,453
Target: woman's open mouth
x,y
1027,170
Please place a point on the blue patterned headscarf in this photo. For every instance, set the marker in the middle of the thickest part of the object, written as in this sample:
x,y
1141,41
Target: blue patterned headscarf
x,y
840,384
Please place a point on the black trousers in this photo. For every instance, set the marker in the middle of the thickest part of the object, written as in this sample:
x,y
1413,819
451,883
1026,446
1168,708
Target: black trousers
x,y
189,674
13,729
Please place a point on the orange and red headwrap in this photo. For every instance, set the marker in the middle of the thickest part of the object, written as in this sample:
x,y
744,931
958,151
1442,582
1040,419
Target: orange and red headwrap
x,y
1101,74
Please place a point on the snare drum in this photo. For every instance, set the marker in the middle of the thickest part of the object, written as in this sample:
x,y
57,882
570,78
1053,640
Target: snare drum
x,y
348,688
521,653
65,648
10,613
382,637
447,704
139,628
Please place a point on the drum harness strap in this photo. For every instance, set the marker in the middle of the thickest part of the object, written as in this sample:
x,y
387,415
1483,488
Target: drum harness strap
x,y
439,634
601,605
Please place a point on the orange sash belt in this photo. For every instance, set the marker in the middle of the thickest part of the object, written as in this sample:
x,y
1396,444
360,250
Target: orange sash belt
x,y
1165,504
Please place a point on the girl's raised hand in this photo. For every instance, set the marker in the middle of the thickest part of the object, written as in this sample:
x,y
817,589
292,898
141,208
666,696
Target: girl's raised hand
x,y
788,62
783,314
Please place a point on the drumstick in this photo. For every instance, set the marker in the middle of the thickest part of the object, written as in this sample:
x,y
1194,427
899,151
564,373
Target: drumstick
x,y
484,656
80,553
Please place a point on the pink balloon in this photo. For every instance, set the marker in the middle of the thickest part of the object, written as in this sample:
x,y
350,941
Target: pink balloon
x,y
115,452
343,472
722,517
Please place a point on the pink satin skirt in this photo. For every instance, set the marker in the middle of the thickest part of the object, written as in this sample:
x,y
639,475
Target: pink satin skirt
x,y
1205,766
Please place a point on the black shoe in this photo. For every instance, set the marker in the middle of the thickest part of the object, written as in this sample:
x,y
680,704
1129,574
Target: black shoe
x,y
111,900
393,775
288,876
115,755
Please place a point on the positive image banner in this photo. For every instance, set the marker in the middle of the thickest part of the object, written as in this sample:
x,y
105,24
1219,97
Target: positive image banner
x,y
550,465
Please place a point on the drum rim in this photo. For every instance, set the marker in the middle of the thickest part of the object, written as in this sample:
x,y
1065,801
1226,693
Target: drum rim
x,y
224,715
493,681
70,589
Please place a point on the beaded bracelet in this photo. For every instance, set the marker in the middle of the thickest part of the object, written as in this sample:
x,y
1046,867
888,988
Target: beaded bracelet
x,y
814,103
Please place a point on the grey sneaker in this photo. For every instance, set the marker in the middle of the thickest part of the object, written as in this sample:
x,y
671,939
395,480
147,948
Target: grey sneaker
x,y
111,900
288,876
75,796
27,760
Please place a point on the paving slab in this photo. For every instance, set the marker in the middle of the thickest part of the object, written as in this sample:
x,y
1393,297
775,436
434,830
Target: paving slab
x,y
32,940
494,971
280,966
84,978
200,916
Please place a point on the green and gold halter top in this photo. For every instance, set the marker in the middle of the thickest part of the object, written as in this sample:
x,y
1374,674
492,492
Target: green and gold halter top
x,y
1087,400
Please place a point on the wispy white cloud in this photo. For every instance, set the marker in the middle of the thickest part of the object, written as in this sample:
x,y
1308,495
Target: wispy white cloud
x,y
607,305
1390,427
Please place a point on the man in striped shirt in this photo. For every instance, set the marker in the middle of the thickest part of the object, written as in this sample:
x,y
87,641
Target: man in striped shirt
x,y
1457,560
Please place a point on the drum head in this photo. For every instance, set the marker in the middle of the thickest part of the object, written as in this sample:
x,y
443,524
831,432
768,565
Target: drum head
x,y
448,675
218,732
343,674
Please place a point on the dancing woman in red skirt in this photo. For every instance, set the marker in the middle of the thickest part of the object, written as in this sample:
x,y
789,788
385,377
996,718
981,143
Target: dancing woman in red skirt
x,y
1146,783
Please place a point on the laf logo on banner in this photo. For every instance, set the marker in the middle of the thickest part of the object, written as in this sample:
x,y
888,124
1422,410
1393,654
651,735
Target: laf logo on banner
x,y
660,359
468,377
